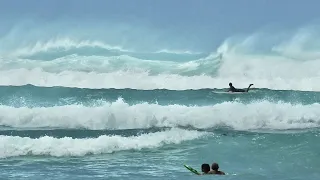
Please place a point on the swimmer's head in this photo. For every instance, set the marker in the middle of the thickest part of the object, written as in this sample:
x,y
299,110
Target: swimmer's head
x,y
215,166
205,168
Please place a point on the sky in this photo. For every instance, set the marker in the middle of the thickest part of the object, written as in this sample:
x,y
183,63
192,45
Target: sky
x,y
206,22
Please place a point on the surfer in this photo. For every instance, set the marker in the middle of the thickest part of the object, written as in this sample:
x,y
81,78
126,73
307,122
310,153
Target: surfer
x,y
215,169
233,89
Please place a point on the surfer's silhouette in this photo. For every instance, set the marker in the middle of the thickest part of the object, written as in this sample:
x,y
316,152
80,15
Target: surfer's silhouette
x,y
233,89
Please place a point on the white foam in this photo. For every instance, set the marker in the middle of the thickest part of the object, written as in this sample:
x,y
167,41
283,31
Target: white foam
x,y
142,80
63,44
242,63
96,64
20,146
120,115
181,52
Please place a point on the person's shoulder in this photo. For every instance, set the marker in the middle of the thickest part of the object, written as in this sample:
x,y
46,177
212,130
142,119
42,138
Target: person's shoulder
x,y
216,172
212,172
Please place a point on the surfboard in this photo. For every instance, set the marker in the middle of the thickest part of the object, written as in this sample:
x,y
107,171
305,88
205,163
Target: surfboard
x,y
191,169
219,92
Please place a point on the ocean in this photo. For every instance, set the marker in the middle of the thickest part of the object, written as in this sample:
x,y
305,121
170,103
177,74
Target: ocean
x,y
89,117
74,106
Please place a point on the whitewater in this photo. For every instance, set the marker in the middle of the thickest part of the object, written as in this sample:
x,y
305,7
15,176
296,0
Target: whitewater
x,y
77,107
92,64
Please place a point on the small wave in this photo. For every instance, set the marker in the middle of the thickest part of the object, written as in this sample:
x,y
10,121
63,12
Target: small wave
x,y
12,146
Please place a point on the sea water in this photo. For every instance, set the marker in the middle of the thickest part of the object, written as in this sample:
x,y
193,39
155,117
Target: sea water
x,y
73,133
75,106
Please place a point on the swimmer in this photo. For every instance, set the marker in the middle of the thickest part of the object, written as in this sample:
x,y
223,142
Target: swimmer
x,y
205,168
215,169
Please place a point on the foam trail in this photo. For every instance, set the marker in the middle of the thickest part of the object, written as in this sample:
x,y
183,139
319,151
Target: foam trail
x,y
120,115
22,146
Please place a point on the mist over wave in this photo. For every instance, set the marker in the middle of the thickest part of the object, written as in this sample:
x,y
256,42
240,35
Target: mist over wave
x,y
120,115
30,37
102,64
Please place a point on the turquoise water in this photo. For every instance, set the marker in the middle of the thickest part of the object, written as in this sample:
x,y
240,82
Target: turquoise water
x,y
72,133
101,99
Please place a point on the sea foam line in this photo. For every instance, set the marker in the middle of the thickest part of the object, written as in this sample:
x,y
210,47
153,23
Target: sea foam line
x,y
145,81
120,115
12,146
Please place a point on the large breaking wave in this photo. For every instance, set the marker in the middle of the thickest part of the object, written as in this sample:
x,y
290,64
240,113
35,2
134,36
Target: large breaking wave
x,y
118,59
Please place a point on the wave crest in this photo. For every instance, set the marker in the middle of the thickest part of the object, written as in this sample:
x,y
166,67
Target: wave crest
x,y
21,146
120,115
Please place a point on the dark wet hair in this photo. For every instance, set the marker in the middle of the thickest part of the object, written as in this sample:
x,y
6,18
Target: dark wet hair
x,y
215,166
230,84
205,167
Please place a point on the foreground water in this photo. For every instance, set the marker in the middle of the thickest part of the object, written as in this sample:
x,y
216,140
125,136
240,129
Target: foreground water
x,y
83,100
71,133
